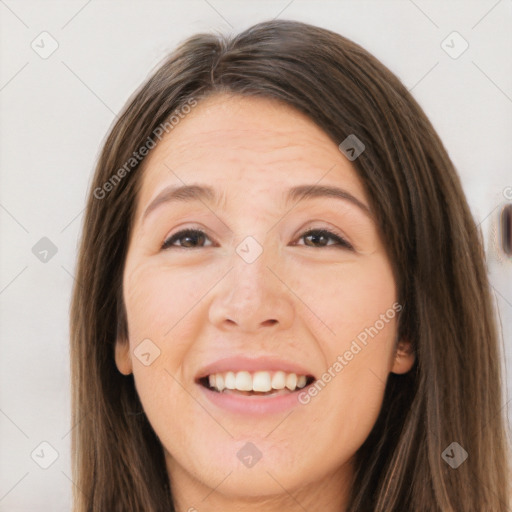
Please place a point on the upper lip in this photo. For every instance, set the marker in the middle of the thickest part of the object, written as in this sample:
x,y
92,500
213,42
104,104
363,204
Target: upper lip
x,y
252,364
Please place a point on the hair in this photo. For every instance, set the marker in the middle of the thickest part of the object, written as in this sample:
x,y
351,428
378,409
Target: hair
x,y
453,392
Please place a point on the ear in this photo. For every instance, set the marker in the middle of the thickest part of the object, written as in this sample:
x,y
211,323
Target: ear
x,y
404,357
123,356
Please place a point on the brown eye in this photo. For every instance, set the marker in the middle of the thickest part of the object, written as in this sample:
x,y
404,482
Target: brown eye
x,y
319,238
195,238
188,239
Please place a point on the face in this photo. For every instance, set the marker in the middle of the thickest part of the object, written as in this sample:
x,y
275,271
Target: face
x,y
255,284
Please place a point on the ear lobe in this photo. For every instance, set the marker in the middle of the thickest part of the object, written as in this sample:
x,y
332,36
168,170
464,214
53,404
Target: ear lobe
x,y
123,357
404,357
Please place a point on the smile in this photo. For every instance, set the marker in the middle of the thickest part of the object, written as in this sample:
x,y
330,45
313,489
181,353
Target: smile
x,y
256,383
253,386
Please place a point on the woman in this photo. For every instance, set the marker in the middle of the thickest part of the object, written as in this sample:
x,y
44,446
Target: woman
x,y
283,302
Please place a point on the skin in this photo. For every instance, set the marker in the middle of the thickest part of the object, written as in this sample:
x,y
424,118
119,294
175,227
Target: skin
x,y
200,302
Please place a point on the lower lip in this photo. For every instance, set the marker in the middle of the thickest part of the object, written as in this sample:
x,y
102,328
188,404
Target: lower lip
x,y
253,404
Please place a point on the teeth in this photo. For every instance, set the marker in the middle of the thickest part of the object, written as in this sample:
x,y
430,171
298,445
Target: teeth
x,y
291,381
229,380
261,381
243,381
219,382
279,380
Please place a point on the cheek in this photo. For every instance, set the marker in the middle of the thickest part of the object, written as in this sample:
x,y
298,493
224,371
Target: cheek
x,y
346,297
158,304
158,301
358,304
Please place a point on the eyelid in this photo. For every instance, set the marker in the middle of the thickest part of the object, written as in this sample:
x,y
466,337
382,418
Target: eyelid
x,y
182,232
330,232
318,224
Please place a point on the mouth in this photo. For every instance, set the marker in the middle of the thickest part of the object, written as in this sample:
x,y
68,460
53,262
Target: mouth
x,y
254,386
258,383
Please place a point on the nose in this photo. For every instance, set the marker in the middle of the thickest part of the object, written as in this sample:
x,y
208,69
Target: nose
x,y
253,296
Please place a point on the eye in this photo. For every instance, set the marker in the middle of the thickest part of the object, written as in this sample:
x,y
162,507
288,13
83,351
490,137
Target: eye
x,y
190,236
319,236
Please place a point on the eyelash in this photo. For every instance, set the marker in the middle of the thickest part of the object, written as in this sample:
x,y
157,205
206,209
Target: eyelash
x,y
323,232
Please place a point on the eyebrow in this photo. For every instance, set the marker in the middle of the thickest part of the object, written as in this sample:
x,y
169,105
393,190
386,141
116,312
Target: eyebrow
x,y
204,193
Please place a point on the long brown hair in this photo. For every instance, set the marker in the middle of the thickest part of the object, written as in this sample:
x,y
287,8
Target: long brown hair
x,y
453,393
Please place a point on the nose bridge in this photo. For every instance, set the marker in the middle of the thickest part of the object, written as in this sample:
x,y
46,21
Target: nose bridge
x,y
252,280
254,251
253,296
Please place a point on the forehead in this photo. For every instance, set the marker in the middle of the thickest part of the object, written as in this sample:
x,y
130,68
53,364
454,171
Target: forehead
x,y
247,147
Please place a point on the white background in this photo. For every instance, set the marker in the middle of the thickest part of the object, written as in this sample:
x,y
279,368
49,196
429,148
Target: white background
x,y
56,112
